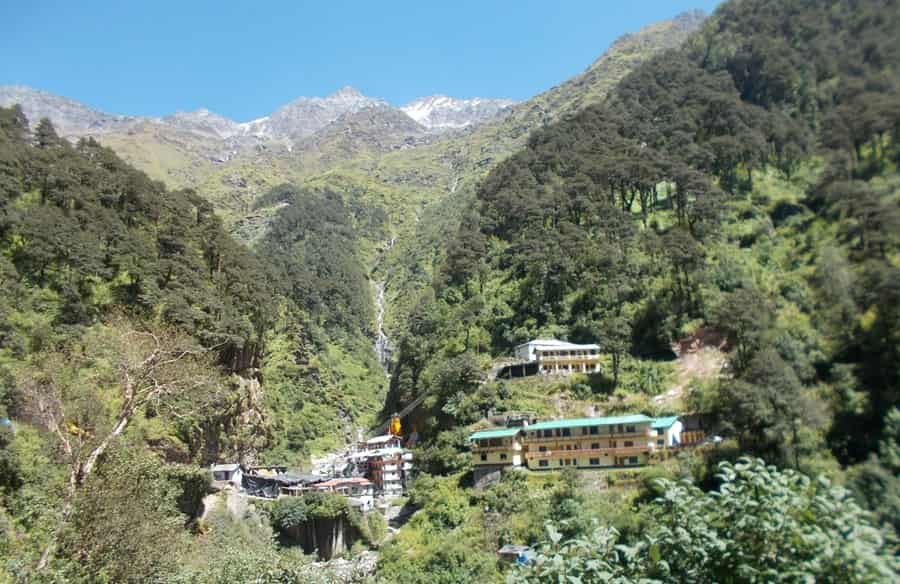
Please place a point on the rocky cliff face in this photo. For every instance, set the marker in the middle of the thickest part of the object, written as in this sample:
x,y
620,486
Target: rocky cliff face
x,y
347,116
306,115
380,127
205,122
70,117
440,112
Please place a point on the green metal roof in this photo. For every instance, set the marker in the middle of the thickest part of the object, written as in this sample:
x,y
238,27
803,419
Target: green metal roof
x,y
664,422
579,422
498,433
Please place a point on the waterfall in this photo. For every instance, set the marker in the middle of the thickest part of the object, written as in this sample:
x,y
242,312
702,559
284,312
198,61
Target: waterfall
x,y
382,342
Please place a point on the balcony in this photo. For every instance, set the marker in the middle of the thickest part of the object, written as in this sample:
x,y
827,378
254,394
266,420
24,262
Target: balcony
x,y
618,451
637,435
486,449
565,358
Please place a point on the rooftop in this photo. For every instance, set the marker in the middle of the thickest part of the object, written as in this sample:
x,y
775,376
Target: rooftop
x,y
664,423
376,452
512,548
579,422
226,467
497,433
382,439
557,344
346,481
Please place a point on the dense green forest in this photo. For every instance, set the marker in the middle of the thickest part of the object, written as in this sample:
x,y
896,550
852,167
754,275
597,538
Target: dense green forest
x,y
747,184
139,342
744,184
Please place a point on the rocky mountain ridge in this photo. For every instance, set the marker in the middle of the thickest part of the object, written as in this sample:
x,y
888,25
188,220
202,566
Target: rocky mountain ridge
x,y
441,112
296,120
399,158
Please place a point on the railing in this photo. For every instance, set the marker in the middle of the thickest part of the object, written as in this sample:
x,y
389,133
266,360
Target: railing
x,y
558,358
623,450
496,448
617,435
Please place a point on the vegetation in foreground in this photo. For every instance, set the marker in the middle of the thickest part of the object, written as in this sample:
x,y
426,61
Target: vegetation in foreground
x,y
746,182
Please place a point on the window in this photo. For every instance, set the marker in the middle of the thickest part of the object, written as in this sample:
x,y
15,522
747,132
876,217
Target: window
x,y
628,443
568,447
560,462
542,449
584,431
566,432
595,445
557,432
548,433
483,457
595,430
495,442
630,429
660,431
660,442
543,463
502,456
595,461
575,447
632,460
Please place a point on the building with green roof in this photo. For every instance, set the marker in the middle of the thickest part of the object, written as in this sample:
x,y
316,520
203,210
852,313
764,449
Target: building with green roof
x,y
495,433
596,442
599,421
667,430
497,447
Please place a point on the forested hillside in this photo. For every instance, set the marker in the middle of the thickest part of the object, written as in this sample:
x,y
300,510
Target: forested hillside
x,y
139,342
744,184
734,180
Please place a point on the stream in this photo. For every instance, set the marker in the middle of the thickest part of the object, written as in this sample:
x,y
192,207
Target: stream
x,y
382,342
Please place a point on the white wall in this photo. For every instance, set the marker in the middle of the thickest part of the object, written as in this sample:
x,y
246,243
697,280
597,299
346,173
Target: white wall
x,y
673,434
525,352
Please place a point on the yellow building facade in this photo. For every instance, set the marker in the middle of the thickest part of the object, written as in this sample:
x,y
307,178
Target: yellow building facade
x,y
619,441
500,447
589,442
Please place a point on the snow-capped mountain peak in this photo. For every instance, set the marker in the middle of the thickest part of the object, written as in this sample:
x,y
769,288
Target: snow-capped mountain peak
x,y
441,112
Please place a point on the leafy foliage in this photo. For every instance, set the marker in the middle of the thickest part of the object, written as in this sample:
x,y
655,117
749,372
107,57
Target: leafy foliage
x,y
761,525
707,190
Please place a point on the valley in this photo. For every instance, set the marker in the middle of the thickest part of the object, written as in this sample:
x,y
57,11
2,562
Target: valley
x,y
640,327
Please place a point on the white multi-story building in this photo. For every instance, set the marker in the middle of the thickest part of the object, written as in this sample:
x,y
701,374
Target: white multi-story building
x,y
553,356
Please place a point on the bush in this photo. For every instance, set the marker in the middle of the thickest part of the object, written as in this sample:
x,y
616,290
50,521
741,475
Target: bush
x,y
762,525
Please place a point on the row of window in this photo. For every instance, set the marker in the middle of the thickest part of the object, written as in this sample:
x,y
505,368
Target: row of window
x,y
595,445
585,431
484,456
591,461
492,442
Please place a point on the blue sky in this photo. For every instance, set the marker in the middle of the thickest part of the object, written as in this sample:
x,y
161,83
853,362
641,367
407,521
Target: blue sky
x,y
243,59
